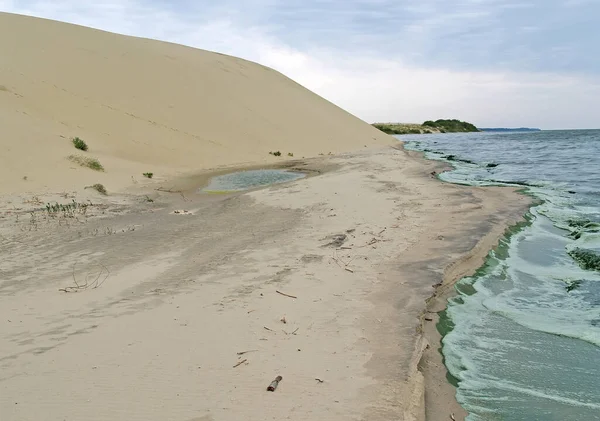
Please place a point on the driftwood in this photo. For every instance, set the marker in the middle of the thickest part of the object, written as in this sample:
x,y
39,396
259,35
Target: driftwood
x,y
286,295
240,363
274,384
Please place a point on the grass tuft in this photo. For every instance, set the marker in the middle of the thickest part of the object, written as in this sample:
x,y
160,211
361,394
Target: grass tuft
x,y
100,189
148,174
85,161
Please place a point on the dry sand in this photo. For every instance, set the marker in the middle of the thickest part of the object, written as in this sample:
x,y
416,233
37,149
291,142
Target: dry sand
x,y
137,306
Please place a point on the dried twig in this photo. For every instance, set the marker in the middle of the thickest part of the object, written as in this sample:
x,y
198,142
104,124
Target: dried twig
x,y
286,295
319,380
294,332
340,262
245,352
169,190
96,283
270,330
240,363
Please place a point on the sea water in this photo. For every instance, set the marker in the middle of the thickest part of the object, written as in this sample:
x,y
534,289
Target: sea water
x,y
522,337
244,180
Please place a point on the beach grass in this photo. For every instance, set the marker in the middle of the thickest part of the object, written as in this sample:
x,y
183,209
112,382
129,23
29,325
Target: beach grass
x,y
85,161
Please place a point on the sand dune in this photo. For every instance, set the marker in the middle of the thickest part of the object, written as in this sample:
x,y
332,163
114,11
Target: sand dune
x,y
144,105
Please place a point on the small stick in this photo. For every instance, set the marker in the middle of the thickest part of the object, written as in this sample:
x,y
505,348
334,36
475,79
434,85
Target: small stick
x,y
294,332
251,311
286,295
245,352
270,330
274,384
319,380
240,363
349,270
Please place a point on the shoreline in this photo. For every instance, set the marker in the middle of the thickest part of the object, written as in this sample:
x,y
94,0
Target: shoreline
x,y
440,393
359,314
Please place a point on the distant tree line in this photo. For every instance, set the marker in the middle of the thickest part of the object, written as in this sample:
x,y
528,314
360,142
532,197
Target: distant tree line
x,y
451,126
438,126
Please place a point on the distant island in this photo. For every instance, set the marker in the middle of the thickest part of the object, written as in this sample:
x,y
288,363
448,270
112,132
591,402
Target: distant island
x,y
428,127
507,129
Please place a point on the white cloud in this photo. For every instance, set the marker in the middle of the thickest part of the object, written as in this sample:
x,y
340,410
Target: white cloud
x,y
372,86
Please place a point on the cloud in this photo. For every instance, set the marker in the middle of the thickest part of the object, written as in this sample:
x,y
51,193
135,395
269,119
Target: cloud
x,y
486,61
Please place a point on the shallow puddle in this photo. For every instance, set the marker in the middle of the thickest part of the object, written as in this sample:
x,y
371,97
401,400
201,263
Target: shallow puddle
x,y
244,180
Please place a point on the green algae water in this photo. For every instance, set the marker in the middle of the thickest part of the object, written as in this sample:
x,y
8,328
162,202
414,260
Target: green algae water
x,y
244,180
522,336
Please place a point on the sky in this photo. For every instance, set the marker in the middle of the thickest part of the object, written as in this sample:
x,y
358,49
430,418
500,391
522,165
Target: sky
x,y
495,63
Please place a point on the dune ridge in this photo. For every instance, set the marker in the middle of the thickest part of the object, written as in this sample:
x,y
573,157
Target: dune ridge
x,y
145,105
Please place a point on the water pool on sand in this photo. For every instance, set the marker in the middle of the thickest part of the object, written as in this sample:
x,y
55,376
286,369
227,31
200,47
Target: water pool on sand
x,y
244,180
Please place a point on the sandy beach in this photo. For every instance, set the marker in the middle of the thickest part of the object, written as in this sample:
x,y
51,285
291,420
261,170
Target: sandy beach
x,y
179,295
158,302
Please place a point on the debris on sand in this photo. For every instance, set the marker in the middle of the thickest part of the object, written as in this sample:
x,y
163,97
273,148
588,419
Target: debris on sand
x,y
336,240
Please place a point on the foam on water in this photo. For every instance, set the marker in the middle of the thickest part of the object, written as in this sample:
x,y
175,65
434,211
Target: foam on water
x,y
522,337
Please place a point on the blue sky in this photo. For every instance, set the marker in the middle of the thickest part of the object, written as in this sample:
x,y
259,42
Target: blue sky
x,y
492,62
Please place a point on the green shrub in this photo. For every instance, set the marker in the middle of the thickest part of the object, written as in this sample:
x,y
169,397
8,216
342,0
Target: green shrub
x,y
290,154
277,153
80,144
148,174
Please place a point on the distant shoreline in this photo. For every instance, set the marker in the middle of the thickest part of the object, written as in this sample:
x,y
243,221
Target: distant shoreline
x,y
444,126
508,129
